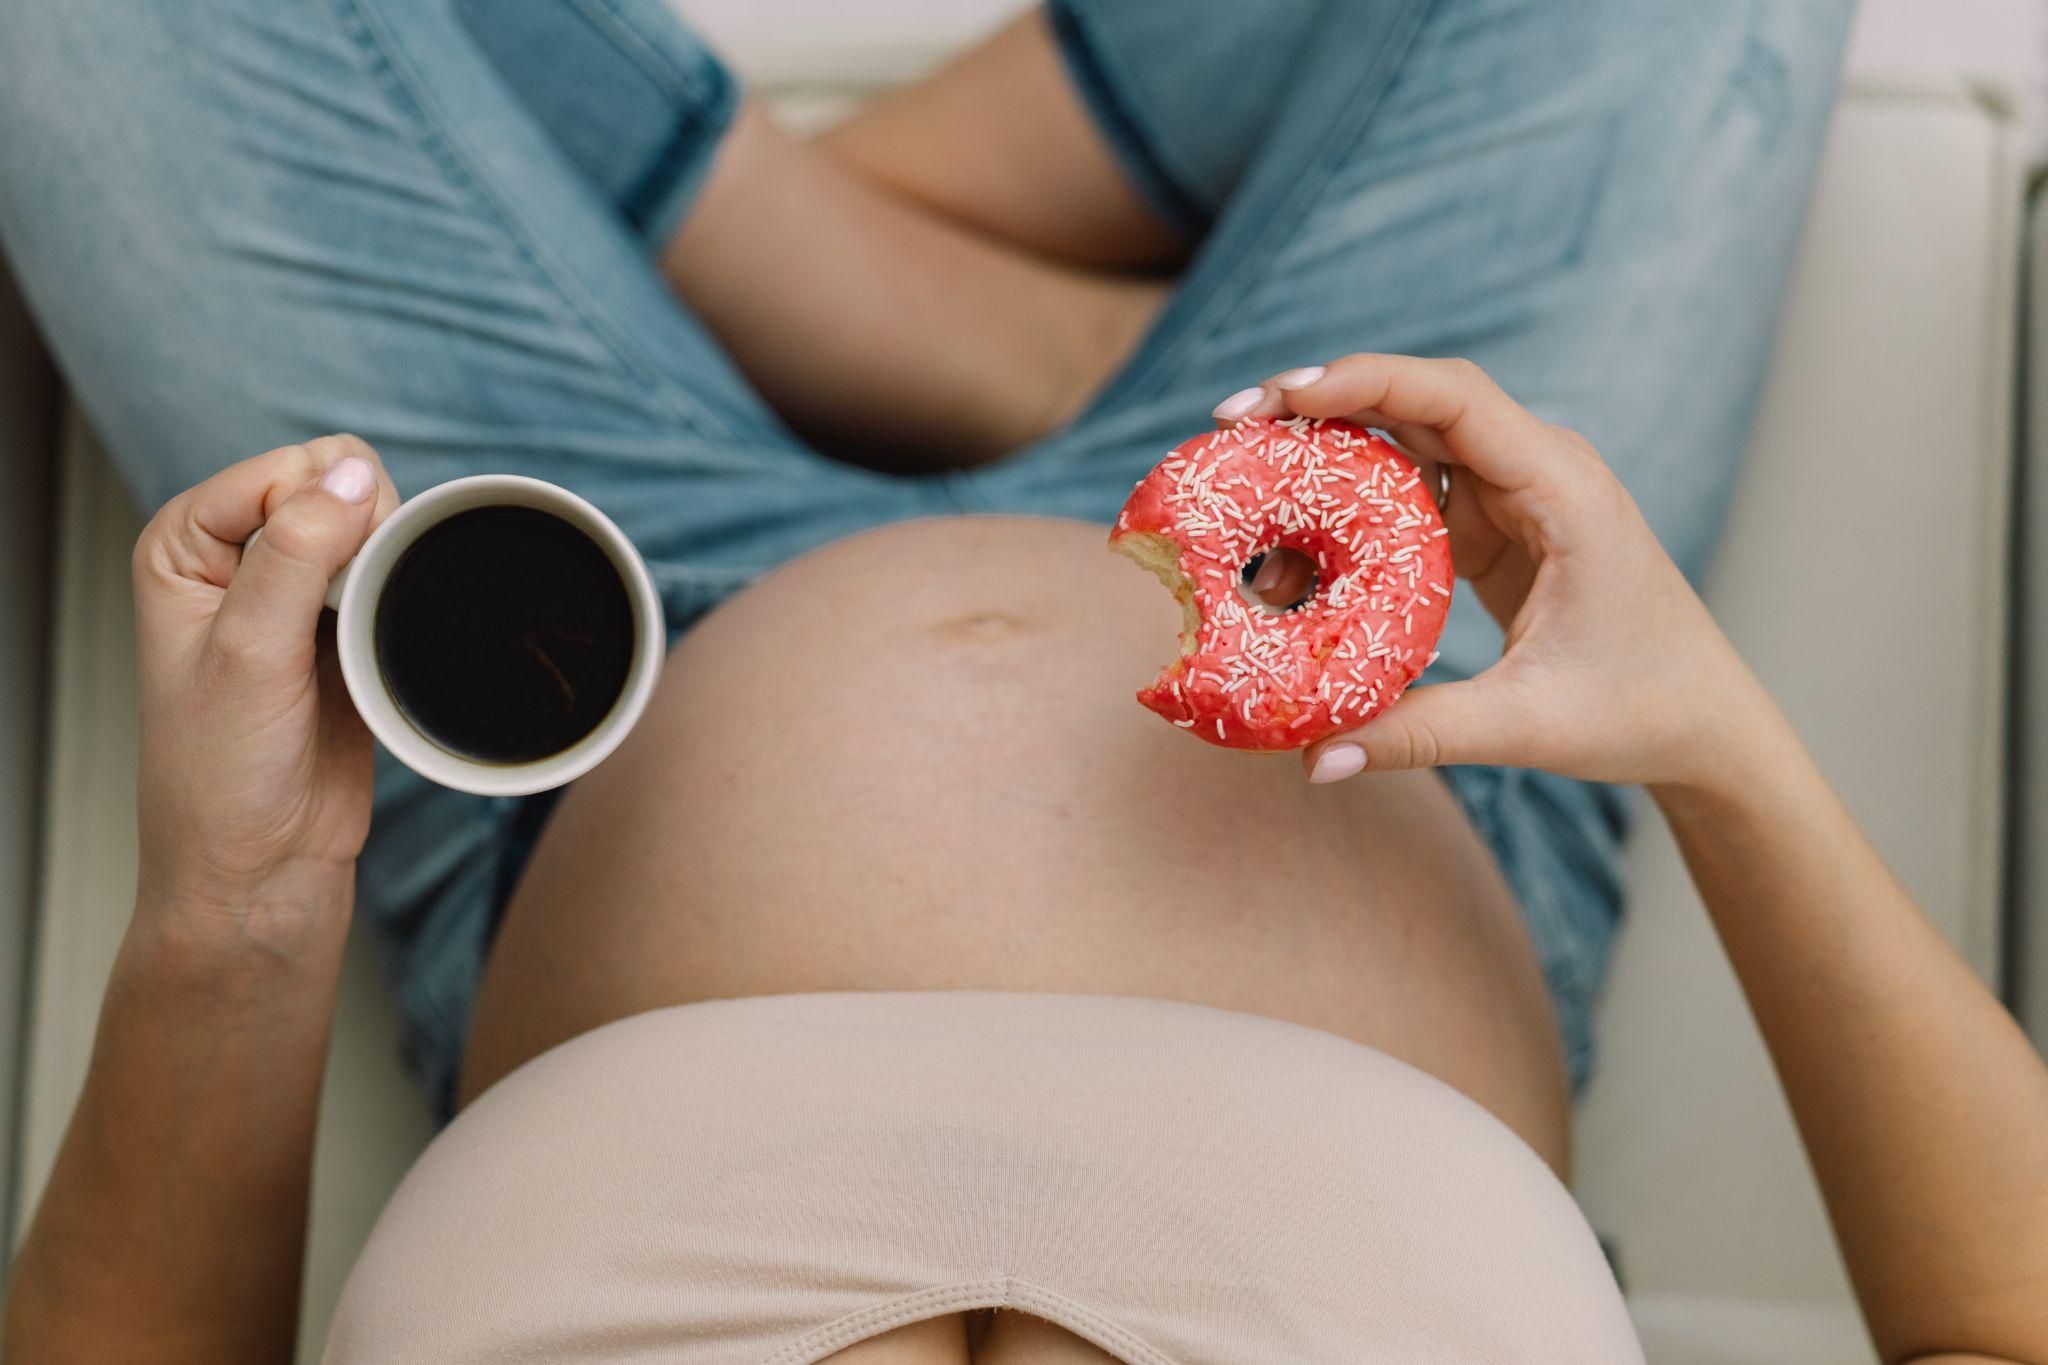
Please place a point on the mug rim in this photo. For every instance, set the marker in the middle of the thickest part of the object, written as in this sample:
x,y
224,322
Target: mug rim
x,y
355,634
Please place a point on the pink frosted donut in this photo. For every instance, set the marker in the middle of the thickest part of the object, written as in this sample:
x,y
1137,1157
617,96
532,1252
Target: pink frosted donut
x,y
1253,677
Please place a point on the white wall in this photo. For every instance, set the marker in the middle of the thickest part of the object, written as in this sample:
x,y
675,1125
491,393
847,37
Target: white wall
x,y
2001,44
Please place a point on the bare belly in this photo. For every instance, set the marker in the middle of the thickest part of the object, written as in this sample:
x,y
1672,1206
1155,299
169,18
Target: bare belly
x,y
912,761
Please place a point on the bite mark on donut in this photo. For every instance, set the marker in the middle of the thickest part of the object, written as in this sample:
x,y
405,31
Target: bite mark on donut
x,y
1160,556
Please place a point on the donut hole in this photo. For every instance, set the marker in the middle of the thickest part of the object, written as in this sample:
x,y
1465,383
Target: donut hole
x,y
1278,580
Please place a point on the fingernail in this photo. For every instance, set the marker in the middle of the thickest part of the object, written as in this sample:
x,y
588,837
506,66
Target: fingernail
x,y
1299,379
1338,762
1239,404
1268,576
351,480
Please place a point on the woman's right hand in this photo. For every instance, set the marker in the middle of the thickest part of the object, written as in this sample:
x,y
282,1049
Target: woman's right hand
x,y
255,769
1613,670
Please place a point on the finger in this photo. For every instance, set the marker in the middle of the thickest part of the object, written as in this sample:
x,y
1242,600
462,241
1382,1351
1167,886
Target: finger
x,y
1455,722
1424,446
231,506
1284,578
270,613
1478,546
199,534
1424,449
1260,400
1265,400
1475,423
1481,552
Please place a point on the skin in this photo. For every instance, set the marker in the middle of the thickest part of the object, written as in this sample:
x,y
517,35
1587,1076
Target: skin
x,y
1046,185
989,701
974,239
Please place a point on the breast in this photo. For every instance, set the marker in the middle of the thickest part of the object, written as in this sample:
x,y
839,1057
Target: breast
x,y
913,761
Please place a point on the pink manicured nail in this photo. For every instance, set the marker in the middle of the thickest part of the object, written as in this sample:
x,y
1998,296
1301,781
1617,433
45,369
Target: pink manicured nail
x,y
1338,762
351,480
1268,576
1239,404
1299,379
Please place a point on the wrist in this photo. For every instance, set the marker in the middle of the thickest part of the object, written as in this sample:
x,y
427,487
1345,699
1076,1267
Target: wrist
x,y
1742,738
1759,774
296,913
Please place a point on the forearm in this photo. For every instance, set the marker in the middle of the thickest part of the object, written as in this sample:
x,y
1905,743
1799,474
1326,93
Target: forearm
x,y
1922,1106
173,1224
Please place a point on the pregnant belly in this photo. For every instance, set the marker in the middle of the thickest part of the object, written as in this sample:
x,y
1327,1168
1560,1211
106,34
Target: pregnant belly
x,y
912,761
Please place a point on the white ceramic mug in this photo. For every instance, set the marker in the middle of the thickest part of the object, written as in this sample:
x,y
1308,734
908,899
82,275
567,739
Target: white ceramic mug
x,y
355,591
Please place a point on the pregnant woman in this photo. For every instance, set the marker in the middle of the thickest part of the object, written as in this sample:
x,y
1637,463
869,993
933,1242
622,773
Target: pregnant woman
x,y
1004,1119
900,969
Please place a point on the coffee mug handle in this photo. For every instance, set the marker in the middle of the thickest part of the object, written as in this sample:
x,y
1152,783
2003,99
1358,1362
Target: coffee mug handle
x,y
334,584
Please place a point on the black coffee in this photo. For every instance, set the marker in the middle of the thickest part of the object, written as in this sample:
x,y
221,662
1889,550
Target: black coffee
x,y
505,634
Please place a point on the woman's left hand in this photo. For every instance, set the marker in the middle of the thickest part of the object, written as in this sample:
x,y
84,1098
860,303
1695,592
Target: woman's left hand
x,y
1613,669
255,769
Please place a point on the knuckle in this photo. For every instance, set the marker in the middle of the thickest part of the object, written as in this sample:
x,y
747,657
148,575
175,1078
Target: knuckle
x,y
1410,746
143,557
1602,485
1594,495
298,531
153,554
1423,747
1577,443
1468,372
328,451
298,457
1554,520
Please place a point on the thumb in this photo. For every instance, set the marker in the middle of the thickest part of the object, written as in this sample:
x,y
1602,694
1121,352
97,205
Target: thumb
x,y
1455,722
271,610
